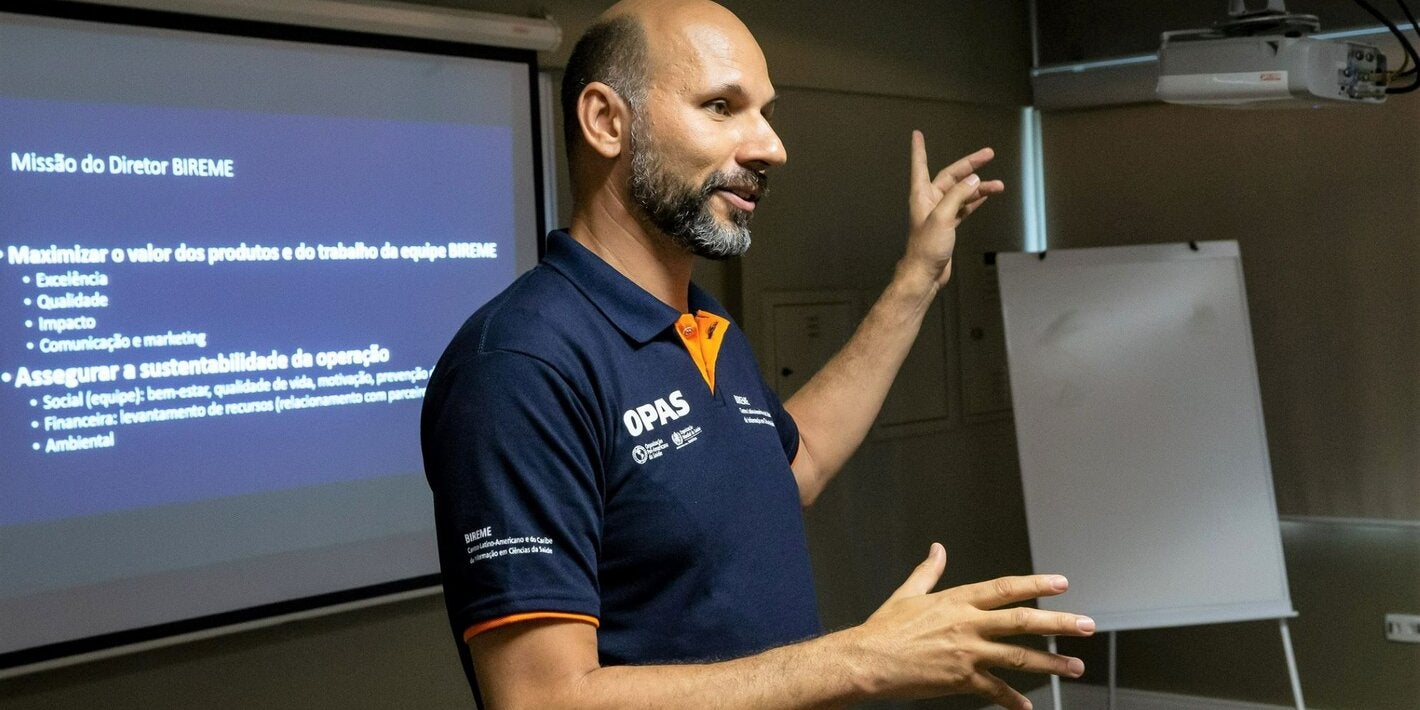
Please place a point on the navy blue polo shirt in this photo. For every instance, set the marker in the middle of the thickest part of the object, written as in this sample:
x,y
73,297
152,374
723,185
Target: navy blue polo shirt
x,y
583,467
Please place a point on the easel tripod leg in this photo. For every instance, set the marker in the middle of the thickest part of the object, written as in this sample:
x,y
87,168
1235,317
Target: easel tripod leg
x,y
1054,679
1113,667
1292,665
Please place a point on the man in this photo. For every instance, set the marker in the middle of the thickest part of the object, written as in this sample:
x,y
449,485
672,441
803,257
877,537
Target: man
x,y
618,492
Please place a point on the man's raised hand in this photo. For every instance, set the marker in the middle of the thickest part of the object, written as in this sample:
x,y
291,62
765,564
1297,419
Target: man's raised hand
x,y
921,644
936,205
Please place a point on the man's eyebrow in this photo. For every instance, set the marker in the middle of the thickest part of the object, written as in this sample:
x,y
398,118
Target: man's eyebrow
x,y
728,88
737,90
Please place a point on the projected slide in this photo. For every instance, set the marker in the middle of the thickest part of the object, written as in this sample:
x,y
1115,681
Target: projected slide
x,y
208,303
228,263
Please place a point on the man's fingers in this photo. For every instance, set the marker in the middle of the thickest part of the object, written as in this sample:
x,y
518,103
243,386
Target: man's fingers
x,y
997,691
925,575
954,173
1009,590
1020,658
919,160
949,208
987,187
1025,620
973,201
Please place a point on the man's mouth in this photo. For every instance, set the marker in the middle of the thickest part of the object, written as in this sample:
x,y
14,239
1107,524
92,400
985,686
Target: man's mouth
x,y
740,198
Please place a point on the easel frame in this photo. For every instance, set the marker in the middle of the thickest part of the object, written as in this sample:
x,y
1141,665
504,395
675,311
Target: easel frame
x,y
1293,676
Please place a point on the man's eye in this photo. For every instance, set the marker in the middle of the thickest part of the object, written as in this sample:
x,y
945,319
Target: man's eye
x,y
719,106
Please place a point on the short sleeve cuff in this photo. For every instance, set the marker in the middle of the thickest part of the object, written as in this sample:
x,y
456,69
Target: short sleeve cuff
x,y
491,624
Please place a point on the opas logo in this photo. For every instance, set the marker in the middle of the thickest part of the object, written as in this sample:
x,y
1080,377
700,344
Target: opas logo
x,y
648,451
653,414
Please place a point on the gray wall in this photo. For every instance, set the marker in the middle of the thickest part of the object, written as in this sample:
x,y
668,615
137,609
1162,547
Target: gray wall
x,y
1322,205
392,656
854,83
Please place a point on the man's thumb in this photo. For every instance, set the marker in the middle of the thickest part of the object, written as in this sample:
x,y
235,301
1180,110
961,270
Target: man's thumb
x,y
926,575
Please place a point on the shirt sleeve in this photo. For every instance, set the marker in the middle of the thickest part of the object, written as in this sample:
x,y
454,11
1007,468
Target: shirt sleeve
x,y
784,423
511,455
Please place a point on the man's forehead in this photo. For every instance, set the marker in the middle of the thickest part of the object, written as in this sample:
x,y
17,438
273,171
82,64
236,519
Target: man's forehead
x,y
688,38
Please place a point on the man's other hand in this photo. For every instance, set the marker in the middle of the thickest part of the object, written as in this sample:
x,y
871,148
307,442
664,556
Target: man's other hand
x,y
924,644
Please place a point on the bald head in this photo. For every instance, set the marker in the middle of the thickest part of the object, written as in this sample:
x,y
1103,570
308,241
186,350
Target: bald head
x,y
672,27
638,42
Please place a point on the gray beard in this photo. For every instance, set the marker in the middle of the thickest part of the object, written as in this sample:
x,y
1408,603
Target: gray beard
x,y
683,211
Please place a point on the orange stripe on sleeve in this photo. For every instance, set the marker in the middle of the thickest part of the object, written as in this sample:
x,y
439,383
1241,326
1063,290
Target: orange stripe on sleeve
x,y
491,624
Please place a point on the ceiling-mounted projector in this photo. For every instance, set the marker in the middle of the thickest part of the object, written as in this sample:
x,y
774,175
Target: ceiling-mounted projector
x,y
1265,59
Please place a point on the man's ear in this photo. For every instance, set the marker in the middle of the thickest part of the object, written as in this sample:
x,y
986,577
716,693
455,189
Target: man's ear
x,y
605,119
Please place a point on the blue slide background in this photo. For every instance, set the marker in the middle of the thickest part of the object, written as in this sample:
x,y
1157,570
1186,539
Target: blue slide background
x,y
299,178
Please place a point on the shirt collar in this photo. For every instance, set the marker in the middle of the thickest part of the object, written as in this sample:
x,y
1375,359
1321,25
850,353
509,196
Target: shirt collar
x,y
633,310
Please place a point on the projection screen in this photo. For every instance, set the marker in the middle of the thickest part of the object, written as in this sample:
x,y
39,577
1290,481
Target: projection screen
x,y
230,253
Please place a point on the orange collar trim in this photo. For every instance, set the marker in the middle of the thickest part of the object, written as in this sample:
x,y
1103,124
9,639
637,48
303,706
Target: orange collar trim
x,y
702,335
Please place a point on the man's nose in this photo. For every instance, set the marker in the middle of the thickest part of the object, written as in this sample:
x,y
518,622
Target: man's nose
x,y
762,148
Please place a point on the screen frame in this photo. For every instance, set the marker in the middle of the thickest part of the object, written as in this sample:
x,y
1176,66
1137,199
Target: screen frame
x,y
74,651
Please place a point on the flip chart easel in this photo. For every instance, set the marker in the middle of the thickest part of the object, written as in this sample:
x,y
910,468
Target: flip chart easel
x,y
1139,422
